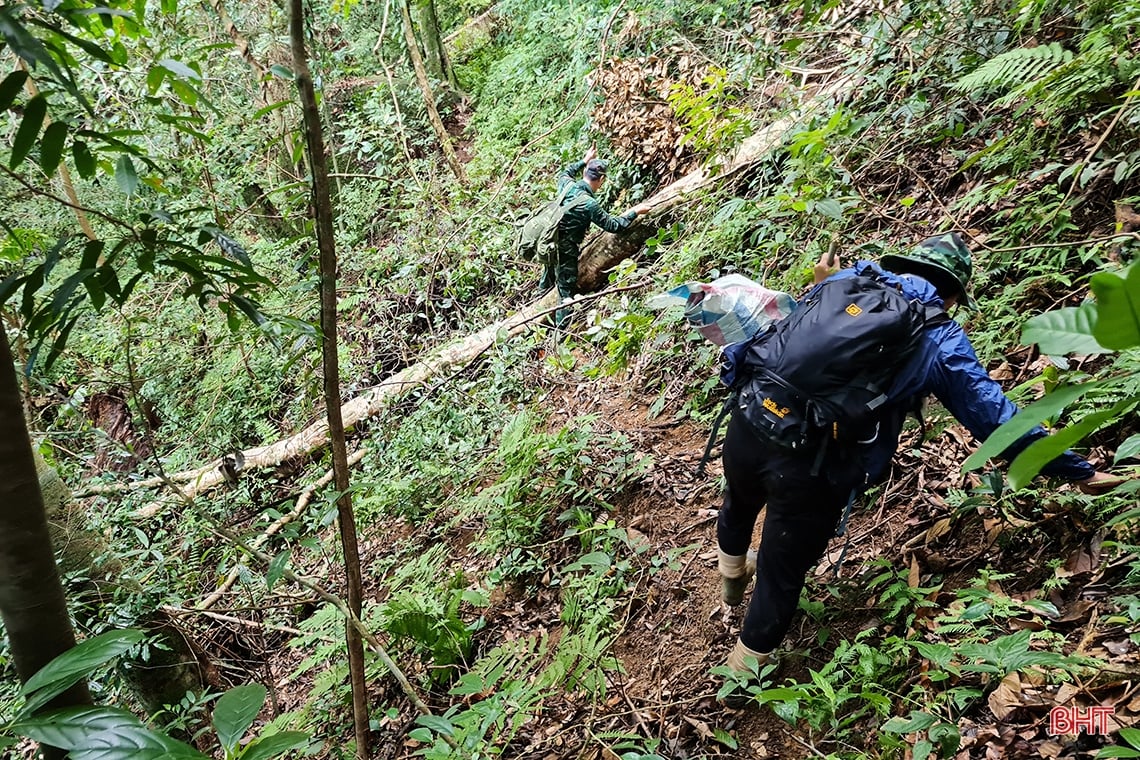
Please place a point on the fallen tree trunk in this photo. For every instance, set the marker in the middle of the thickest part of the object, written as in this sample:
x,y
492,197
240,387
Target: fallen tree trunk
x,y
453,355
602,251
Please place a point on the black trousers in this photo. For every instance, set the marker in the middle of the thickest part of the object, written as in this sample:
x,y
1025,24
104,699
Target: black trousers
x,y
803,511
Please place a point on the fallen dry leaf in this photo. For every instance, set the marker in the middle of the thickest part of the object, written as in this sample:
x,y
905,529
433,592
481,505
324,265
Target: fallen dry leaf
x,y
939,528
1119,648
1006,697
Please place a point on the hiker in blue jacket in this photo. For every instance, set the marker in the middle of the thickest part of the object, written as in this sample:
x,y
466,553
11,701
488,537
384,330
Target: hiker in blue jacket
x,y
803,509
585,177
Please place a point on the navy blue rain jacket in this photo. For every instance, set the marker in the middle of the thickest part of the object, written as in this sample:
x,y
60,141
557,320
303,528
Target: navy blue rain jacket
x,y
946,366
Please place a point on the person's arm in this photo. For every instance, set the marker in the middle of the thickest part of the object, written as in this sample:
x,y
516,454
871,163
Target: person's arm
x,y
572,173
976,400
827,265
609,222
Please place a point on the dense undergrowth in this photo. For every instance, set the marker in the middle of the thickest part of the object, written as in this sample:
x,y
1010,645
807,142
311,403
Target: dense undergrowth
x,y
496,505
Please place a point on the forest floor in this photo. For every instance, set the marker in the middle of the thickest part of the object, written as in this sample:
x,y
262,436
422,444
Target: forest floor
x,y
675,628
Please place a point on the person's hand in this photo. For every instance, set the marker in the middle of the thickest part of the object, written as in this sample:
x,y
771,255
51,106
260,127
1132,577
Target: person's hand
x,y
591,154
642,208
825,267
1099,483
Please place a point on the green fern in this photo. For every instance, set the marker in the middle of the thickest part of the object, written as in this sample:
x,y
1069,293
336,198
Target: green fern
x,y
1013,68
1073,83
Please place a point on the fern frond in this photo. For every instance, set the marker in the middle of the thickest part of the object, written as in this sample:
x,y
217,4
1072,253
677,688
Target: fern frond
x,y
1073,82
955,629
1014,68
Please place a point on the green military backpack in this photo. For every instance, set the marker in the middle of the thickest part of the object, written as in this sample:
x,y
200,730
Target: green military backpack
x,y
538,236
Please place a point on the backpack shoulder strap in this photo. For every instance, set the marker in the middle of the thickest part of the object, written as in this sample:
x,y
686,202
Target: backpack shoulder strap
x,y
935,315
564,192
578,200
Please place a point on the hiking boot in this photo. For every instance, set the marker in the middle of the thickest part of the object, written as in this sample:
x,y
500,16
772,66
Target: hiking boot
x,y
735,572
747,663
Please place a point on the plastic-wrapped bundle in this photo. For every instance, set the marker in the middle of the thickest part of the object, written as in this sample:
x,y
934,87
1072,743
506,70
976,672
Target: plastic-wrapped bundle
x,y
729,309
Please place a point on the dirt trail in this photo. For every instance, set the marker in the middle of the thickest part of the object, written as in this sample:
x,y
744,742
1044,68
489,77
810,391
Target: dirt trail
x,y
678,630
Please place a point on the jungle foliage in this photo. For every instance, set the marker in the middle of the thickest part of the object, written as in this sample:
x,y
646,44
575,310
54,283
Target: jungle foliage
x,y
158,265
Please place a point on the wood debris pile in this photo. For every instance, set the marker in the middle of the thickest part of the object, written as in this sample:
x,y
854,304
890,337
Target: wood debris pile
x,y
635,113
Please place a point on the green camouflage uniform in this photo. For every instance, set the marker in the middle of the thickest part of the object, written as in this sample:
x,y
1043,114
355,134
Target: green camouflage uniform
x,y
563,270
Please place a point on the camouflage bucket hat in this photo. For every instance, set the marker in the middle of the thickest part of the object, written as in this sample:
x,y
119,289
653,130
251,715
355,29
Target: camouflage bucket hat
x,y
944,253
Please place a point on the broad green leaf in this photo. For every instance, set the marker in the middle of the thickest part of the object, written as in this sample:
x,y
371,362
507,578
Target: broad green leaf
x,y
87,46
275,745
1117,752
593,559
780,694
1042,451
11,87
60,341
277,569
436,723
283,72
1064,331
1118,309
1048,609
725,738
154,79
75,664
103,733
126,175
249,308
829,207
948,737
269,109
1128,449
34,112
422,735
231,247
84,160
235,712
169,7
1131,735
1025,420
185,92
23,43
179,69
51,146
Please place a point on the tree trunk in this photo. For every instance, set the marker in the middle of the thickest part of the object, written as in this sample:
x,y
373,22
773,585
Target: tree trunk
x,y
429,97
322,210
435,55
176,666
171,669
31,596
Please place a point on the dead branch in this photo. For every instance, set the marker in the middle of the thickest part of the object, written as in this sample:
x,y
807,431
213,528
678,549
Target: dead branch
x,y
302,503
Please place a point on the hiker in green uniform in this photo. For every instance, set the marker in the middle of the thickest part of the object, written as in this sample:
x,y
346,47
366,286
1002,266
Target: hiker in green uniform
x,y
584,177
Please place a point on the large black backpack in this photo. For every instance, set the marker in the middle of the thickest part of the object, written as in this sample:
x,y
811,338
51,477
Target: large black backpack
x,y
820,376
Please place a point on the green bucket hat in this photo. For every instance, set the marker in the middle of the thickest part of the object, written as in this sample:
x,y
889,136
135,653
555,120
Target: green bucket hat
x,y
940,255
